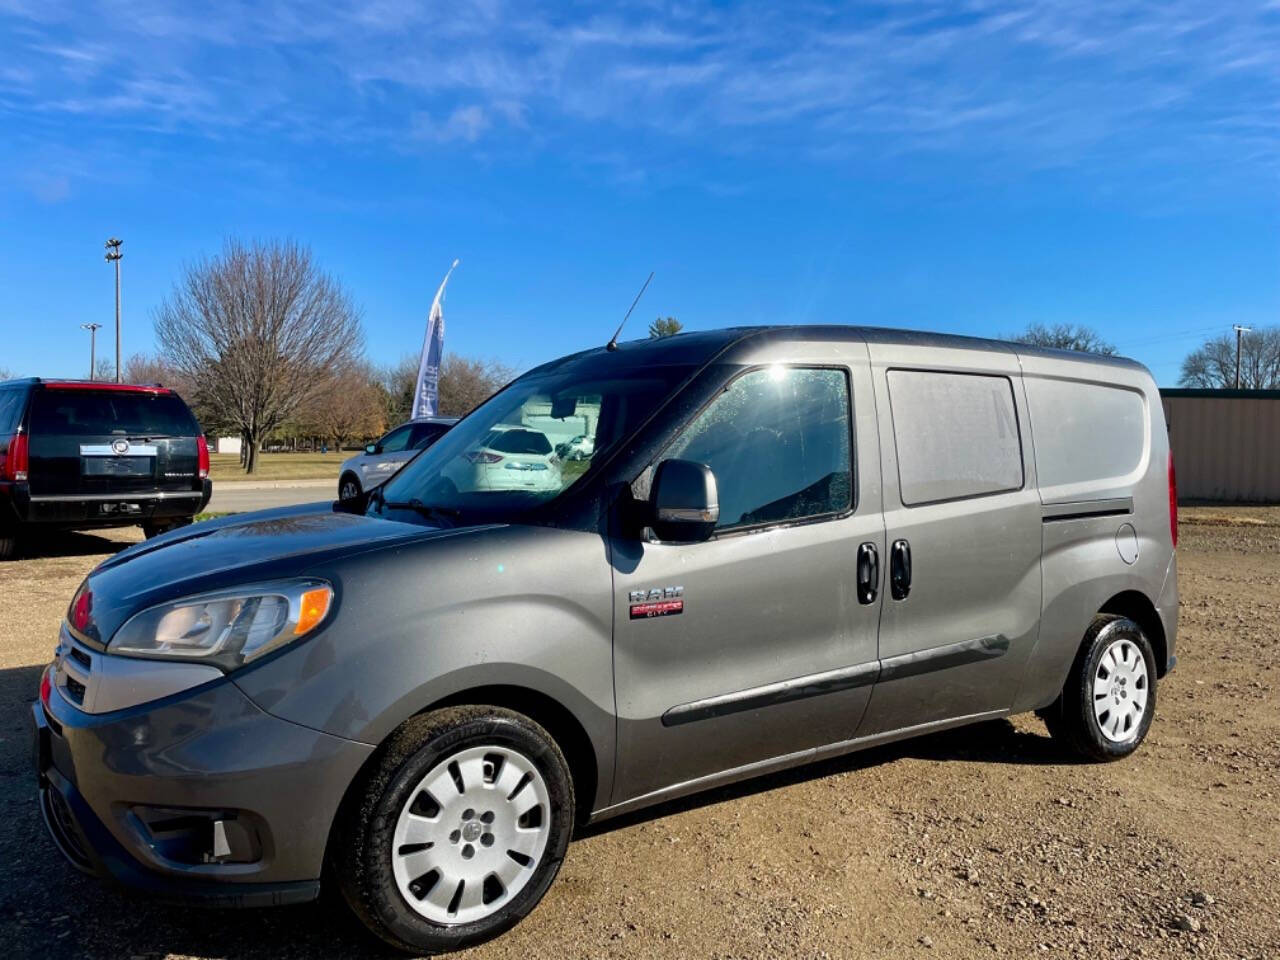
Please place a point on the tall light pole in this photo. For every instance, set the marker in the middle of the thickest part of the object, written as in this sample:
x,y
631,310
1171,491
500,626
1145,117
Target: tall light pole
x,y
113,256
1240,331
93,344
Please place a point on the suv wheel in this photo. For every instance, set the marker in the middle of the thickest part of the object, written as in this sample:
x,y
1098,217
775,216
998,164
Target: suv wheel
x,y
1109,700
150,530
8,544
457,831
348,487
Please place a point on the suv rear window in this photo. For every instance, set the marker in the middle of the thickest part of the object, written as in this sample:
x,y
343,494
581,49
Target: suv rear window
x,y
111,412
520,441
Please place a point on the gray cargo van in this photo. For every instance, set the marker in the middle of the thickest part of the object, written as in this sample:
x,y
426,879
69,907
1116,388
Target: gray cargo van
x,y
782,544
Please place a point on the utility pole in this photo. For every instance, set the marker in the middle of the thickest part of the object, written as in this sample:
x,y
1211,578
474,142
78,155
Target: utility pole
x,y
113,256
93,344
1240,331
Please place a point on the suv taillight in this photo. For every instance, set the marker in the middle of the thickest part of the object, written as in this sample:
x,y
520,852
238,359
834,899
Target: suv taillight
x,y
14,465
202,452
1173,502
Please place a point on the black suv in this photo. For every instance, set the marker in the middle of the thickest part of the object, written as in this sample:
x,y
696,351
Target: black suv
x,y
76,454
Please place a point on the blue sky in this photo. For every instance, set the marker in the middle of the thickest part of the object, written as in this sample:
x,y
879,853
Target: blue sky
x,y
968,167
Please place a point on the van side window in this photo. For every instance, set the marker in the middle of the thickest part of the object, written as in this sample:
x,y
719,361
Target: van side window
x,y
778,441
956,435
1099,432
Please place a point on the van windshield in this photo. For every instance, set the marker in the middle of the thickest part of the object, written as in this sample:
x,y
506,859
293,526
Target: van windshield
x,y
529,442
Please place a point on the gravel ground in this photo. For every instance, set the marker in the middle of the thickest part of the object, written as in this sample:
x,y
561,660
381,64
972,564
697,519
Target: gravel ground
x,y
979,841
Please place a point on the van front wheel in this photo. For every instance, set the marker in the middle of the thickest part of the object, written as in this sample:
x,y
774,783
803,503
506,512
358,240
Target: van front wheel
x,y
1107,705
457,831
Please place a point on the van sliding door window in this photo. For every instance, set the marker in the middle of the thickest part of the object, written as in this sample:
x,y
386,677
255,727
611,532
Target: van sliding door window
x,y
956,435
778,442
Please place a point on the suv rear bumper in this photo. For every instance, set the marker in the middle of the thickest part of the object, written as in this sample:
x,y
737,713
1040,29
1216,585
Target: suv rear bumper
x,y
78,510
109,783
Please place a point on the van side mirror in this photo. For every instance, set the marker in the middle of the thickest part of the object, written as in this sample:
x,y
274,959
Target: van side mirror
x,y
684,502
371,448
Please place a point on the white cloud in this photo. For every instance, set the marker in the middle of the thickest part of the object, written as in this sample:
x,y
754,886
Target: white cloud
x,y
1021,83
467,124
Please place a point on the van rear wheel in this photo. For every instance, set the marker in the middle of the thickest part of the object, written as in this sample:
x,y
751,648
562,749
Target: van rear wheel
x,y
1109,700
458,829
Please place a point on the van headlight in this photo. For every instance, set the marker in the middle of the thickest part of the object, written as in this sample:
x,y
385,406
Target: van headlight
x,y
226,628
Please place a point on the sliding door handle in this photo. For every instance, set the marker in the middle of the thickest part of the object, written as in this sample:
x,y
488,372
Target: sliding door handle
x,y
868,573
900,569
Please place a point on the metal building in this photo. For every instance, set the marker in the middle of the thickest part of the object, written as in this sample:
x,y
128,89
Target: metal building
x,y
1226,444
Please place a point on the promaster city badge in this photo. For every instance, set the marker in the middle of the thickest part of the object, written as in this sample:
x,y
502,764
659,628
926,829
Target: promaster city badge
x,y
658,602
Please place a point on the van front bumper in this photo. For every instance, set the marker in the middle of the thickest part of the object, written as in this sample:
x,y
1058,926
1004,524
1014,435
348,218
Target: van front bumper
x,y
133,796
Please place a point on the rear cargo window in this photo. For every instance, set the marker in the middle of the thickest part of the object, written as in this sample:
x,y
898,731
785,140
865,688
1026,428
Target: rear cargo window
x,y
1090,431
519,441
110,412
956,435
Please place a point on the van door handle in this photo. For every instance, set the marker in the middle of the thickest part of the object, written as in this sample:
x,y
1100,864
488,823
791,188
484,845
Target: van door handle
x,y
868,573
900,569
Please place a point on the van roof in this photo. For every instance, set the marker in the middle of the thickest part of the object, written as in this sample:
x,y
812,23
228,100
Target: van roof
x,y
701,346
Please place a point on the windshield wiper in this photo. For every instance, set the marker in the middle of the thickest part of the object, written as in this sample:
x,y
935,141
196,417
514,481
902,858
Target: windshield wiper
x,y
425,509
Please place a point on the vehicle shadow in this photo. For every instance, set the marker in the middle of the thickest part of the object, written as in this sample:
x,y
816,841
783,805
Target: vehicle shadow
x,y
994,741
48,544
48,909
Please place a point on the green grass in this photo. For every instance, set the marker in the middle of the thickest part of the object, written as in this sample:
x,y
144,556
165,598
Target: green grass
x,y
211,516
225,467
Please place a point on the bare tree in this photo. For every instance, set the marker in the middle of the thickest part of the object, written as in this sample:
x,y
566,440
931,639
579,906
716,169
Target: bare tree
x,y
664,327
1064,336
259,331
352,407
104,369
6,373
1212,365
465,383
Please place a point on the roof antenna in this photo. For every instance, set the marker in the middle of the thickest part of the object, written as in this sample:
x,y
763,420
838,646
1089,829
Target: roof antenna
x,y
613,344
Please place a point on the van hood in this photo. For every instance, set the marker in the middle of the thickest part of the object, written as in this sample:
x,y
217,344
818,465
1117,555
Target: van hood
x,y
246,548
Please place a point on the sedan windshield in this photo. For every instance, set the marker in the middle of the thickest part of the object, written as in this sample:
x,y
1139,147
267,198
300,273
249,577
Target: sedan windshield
x,y
530,442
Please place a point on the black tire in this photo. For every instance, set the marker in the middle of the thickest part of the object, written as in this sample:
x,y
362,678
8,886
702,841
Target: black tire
x,y
343,482
8,544
361,852
1072,720
150,530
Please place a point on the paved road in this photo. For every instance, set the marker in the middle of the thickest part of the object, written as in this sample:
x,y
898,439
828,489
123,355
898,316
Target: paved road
x,y
241,496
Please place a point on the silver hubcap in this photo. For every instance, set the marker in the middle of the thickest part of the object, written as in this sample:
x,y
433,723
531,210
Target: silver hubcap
x,y
471,835
348,491
1120,690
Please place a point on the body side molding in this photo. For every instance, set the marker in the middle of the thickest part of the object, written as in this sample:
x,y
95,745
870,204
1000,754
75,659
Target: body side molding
x,y
1082,509
844,678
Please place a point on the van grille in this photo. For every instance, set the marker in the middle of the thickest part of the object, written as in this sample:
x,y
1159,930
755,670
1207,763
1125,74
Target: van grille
x,y
75,668
75,690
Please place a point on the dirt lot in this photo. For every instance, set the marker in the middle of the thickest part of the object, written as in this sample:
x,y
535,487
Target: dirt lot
x,y
986,840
